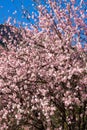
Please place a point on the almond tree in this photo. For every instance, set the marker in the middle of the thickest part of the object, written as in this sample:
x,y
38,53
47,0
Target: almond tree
x,y
43,80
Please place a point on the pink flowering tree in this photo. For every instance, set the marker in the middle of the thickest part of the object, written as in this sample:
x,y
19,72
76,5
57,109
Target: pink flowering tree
x,y
43,80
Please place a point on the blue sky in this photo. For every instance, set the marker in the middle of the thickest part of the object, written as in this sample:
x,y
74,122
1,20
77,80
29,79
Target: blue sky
x,y
14,10
9,8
